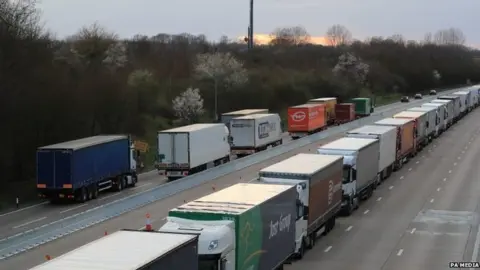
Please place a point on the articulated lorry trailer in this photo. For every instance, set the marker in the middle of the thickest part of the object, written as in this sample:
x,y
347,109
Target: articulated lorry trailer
x,y
318,179
190,149
306,119
132,250
387,136
360,168
441,110
421,123
457,112
434,121
405,138
246,226
449,108
80,169
227,117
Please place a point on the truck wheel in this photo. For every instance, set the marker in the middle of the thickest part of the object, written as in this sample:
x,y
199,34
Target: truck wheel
x,y
90,192
134,180
95,191
83,195
119,185
301,252
349,209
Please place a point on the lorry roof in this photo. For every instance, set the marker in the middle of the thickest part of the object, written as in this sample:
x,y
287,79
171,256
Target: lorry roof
x,y
422,109
302,164
122,250
348,143
235,199
323,99
461,93
441,100
393,121
253,116
448,96
245,112
409,114
371,129
85,142
432,104
308,105
190,128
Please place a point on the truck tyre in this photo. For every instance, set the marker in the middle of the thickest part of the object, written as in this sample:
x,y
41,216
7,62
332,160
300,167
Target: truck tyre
x,y
95,191
90,193
83,195
301,252
119,185
349,208
134,180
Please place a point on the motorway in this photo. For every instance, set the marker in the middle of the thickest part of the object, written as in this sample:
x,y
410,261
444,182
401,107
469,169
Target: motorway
x,y
44,214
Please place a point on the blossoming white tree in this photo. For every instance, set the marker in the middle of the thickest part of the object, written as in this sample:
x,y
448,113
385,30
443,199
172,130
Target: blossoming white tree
x,y
221,68
116,55
352,67
188,105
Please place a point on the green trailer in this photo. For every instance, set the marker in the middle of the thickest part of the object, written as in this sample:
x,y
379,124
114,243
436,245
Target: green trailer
x,y
363,106
247,226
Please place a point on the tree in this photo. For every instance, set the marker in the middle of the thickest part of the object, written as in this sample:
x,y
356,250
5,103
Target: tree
x,y
296,35
338,35
115,56
188,106
450,36
221,68
351,67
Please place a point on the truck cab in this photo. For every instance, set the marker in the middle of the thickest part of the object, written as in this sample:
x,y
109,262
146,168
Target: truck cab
x,y
216,242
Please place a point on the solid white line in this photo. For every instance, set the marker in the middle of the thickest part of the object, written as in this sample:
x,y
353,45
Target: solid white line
x,y
254,179
366,212
438,189
24,208
73,208
400,252
401,177
432,200
30,222
349,228
390,187
328,248
413,230
379,199
476,246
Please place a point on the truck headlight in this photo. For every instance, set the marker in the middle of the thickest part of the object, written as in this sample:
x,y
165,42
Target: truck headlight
x,y
213,245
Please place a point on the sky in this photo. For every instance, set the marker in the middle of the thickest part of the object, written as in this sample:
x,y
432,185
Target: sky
x,y
214,18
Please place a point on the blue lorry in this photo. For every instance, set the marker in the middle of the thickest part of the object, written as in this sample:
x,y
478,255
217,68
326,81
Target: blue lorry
x,y
80,169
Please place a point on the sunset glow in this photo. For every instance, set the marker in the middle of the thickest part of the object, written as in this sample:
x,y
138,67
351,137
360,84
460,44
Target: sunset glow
x,y
264,39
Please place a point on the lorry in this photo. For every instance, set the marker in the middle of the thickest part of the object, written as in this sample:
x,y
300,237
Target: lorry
x,y
442,113
450,109
190,149
306,119
474,94
131,250
433,120
387,137
405,138
227,117
363,106
360,168
344,113
464,101
330,107
319,187
242,227
457,114
253,133
80,169
421,124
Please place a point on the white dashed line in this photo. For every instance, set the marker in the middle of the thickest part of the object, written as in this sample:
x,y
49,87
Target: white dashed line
x,y
463,151
30,222
444,179
409,169
450,171
366,212
390,187
73,208
328,248
423,156
459,158
413,230
349,228
417,162
432,200
400,252
438,189
454,164
379,199
401,177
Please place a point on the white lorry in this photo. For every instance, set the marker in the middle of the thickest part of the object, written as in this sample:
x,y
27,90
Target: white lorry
x,y
227,117
190,149
244,226
387,136
442,113
474,94
131,250
254,133
464,101
457,114
360,168
450,109
433,127
319,185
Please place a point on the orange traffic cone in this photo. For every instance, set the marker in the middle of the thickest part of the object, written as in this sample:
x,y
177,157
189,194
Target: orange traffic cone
x,y
106,233
47,257
148,226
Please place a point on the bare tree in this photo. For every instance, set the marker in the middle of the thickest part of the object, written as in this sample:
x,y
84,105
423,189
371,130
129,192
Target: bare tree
x,y
428,38
188,105
451,36
338,35
295,35
221,68
397,38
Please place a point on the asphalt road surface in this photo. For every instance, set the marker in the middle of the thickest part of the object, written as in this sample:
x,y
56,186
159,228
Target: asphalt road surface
x,y
392,204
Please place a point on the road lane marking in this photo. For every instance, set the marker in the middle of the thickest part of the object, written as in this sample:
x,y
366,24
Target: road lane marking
x,y
401,177
417,162
73,208
423,156
413,230
400,252
109,196
476,245
29,222
21,209
366,212
349,228
458,158
144,185
463,151
409,169
328,248
379,199
454,164
438,189
390,187
444,179
432,200
450,171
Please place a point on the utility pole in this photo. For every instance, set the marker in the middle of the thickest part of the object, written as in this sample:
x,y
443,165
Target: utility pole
x,y
250,27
